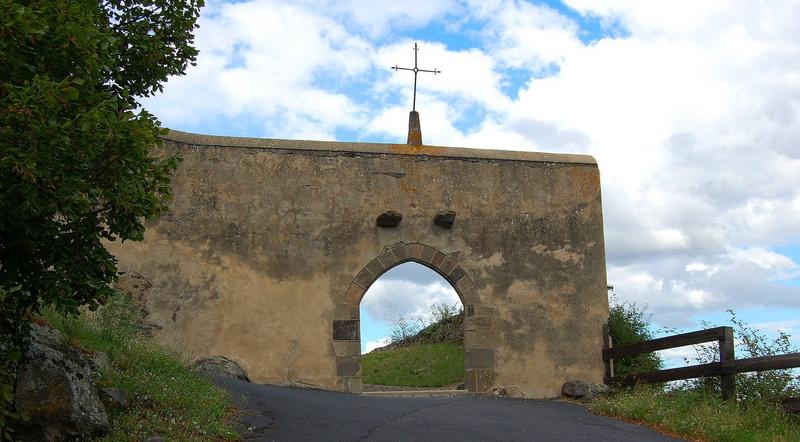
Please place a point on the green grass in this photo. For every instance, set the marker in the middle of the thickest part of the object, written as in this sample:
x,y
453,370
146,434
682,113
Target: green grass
x,y
420,365
701,415
166,398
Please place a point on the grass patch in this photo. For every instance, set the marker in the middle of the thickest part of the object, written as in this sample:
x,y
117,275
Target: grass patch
x,y
166,398
701,415
420,365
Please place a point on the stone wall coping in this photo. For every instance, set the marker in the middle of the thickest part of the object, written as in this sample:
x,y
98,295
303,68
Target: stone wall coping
x,y
376,148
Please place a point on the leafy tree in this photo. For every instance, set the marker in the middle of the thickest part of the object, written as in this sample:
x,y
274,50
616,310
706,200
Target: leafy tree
x,y
76,165
628,324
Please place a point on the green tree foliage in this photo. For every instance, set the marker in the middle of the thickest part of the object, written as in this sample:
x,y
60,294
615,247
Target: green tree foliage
x,y
75,149
628,324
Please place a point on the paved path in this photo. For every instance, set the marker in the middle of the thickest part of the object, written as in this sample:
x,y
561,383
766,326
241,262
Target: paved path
x,y
291,414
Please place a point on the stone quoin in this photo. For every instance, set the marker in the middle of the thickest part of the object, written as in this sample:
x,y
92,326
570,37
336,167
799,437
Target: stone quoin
x,y
270,245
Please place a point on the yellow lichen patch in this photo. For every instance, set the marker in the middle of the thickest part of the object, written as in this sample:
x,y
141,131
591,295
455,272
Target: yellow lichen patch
x,y
416,150
585,181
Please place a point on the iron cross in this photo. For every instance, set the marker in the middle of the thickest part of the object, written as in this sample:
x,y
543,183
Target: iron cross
x,y
415,70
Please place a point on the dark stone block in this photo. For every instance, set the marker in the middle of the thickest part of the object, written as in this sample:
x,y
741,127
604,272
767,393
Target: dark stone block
x,y
438,258
414,250
469,295
465,284
364,278
345,330
445,219
447,265
348,366
400,253
478,323
479,358
389,219
456,275
376,267
428,253
470,310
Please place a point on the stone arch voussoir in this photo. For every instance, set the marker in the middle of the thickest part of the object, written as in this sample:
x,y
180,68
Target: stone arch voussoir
x,y
480,335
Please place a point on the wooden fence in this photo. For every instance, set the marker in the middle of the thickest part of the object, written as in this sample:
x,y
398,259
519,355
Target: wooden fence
x,y
726,368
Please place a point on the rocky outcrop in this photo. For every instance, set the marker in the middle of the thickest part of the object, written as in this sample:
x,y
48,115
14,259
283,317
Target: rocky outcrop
x,y
220,366
55,389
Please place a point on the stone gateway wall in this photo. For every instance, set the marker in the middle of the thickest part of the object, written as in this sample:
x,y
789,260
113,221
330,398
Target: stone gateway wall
x,y
270,244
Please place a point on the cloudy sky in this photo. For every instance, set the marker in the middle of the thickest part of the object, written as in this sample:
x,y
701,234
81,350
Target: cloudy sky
x,y
692,110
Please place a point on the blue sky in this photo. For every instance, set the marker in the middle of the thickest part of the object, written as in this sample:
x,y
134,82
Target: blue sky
x,y
692,110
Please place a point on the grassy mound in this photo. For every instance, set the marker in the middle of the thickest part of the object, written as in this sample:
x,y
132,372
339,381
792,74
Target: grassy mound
x,y
166,398
419,365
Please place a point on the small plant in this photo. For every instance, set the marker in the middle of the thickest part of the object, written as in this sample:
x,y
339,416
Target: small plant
x,y
403,327
628,324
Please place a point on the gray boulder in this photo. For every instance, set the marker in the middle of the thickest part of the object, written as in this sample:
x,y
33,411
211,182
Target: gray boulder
x,y
54,388
586,391
220,366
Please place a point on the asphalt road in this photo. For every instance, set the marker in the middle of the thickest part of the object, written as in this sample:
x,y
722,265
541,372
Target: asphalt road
x,y
292,414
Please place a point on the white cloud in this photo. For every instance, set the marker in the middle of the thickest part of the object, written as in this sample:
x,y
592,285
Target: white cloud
x,y
393,299
379,18
372,345
262,60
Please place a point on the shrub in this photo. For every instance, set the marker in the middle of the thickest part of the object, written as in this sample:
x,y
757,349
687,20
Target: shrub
x,y
628,324
766,386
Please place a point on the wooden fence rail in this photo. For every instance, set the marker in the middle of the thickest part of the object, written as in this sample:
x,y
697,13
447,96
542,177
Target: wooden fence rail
x,y
726,368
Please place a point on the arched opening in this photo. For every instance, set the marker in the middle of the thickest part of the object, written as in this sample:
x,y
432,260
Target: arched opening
x,y
412,331
481,334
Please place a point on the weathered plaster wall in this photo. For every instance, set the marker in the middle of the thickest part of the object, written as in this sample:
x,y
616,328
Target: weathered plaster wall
x,y
270,244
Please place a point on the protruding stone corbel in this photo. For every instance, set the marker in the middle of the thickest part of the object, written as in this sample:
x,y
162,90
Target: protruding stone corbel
x,y
389,219
445,218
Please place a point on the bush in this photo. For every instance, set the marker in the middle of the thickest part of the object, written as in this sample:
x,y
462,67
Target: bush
x,y
628,324
766,386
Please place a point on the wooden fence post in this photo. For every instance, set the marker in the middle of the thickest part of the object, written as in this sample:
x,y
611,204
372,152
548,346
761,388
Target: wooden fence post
x,y
609,364
727,358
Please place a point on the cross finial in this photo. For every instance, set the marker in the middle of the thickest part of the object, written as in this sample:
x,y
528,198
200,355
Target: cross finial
x,y
414,131
415,70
